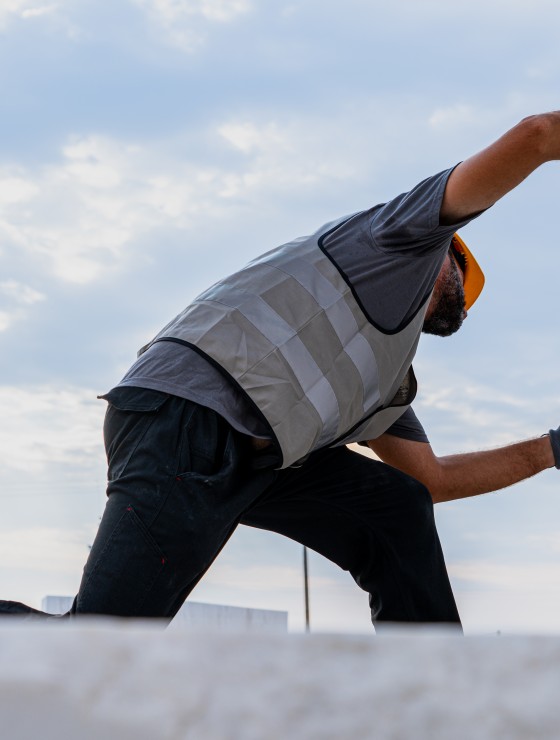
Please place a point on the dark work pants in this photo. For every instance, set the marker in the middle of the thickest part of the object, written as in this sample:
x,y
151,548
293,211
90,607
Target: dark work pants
x,y
180,480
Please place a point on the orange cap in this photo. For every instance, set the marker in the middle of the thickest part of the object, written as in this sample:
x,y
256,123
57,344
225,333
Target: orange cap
x,y
473,280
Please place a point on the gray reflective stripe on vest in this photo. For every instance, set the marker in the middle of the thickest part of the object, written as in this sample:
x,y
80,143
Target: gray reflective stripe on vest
x,y
289,331
329,297
280,334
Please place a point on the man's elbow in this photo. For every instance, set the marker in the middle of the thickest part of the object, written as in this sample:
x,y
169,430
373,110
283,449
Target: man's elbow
x,y
436,483
541,135
433,481
438,493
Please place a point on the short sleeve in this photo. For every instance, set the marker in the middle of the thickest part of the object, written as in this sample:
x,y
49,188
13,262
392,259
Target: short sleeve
x,y
408,427
410,222
391,254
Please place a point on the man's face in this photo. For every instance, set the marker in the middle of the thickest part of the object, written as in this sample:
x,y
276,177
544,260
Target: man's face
x,y
446,311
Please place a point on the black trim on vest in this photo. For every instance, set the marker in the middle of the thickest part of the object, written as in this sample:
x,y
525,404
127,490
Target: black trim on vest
x,y
238,387
348,282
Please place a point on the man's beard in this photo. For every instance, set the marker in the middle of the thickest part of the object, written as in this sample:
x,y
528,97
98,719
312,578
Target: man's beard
x,y
448,313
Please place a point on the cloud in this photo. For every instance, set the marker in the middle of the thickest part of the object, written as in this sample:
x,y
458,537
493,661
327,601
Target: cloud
x,y
18,297
474,116
82,215
35,12
44,549
256,577
22,294
549,542
511,596
283,156
43,427
450,116
15,188
79,216
504,11
184,22
248,137
24,9
472,411
508,576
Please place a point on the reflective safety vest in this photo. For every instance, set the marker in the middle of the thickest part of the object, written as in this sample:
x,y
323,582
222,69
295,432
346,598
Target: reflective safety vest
x,y
290,331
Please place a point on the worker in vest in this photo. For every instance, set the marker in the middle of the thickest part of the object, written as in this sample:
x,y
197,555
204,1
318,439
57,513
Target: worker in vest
x,y
240,409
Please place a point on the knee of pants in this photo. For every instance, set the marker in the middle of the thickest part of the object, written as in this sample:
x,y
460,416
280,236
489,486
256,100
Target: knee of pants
x,y
415,501
422,497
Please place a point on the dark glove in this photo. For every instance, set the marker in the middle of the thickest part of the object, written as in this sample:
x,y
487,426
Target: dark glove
x,y
555,443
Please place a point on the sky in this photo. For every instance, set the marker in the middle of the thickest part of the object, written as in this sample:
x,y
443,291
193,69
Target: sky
x,y
150,147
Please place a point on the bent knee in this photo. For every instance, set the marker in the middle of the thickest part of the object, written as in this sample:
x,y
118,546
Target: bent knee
x,y
416,498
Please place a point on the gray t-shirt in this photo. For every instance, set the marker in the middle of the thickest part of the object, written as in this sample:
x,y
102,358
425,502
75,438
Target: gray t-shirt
x,y
405,249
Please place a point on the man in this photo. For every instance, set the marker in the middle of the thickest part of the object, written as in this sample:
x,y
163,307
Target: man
x,y
240,409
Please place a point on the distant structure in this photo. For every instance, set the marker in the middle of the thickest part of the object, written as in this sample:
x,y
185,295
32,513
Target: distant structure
x,y
194,615
56,604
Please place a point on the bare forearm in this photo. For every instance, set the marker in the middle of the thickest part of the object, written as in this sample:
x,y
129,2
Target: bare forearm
x,y
474,473
470,474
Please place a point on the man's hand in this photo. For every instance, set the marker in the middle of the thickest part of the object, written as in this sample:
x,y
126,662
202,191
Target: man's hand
x,y
459,476
478,182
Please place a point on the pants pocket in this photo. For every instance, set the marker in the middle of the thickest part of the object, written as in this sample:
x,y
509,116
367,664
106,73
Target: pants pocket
x,y
128,421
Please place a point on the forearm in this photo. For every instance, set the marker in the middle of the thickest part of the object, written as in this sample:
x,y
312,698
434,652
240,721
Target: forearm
x,y
471,474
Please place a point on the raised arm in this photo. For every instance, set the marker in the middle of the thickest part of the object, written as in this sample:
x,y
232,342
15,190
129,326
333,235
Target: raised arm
x,y
478,182
469,474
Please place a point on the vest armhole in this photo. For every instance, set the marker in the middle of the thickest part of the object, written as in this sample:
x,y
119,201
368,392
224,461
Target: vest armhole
x,y
346,278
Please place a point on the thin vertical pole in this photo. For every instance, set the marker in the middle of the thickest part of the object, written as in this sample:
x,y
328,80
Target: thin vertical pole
x,y
306,589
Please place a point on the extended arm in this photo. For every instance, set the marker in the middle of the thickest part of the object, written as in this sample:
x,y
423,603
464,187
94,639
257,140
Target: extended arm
x,y
474,185
469,474
478,182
